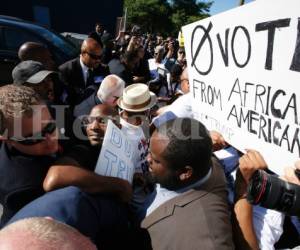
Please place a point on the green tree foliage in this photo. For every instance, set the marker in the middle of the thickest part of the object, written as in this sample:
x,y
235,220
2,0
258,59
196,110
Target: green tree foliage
x,y
165,16
188,11
150,15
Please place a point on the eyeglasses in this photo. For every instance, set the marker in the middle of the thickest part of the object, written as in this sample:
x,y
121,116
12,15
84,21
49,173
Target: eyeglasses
x,y
103,120
181,52
93,56
36,138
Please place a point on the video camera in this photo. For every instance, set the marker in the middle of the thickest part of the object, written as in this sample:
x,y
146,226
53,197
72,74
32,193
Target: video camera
x,y
271,192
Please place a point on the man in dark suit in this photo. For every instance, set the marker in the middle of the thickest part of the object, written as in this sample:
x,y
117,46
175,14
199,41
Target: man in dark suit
x,y
189,209
108,93
83,75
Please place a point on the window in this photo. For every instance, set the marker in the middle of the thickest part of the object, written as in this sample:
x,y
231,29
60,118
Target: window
x,y
14,38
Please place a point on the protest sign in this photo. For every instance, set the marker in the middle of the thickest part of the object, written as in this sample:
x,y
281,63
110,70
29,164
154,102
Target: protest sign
x,y
244,71
116,154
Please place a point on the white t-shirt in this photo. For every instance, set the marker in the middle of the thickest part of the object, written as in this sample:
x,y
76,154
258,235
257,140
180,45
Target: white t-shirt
x,y
140,144
137,137
268,226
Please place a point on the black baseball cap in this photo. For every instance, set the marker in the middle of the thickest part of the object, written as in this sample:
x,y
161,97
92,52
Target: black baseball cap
x,y
30,72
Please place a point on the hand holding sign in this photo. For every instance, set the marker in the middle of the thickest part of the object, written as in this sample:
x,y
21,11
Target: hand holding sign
x,y
116,155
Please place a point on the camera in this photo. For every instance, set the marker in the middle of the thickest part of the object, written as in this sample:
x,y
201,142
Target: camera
x,y
271,192
161,81
136,30
162,72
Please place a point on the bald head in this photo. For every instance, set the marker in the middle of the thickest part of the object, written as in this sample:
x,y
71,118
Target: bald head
x,y
42,234
89,44
111,89
91,52
36,52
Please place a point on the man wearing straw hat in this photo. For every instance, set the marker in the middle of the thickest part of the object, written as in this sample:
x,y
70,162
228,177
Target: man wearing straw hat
x,y
136,103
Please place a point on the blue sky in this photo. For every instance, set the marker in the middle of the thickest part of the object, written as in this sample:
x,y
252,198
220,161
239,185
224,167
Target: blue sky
x,y
223,5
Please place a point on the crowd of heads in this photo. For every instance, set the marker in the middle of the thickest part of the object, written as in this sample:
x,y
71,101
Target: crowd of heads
x,y
37,117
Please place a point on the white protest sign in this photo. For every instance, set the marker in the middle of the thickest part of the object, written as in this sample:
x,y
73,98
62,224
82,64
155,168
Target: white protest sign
x,y
116,154
244,70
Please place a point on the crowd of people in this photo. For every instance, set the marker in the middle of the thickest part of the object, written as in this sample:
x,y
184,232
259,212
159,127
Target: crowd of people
x,y
189,187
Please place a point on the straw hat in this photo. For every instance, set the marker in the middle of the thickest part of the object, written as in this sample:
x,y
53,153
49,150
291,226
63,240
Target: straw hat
x,y
137,98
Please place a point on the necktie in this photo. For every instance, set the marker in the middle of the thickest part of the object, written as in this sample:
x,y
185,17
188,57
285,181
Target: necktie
x,y
90,78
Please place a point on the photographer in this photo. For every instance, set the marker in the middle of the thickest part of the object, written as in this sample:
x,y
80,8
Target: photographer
x,y
170,60
254,227
141,70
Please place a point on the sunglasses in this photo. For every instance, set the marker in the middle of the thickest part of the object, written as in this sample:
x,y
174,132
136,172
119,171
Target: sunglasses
x,y
181,52
103,120
93,56
36,138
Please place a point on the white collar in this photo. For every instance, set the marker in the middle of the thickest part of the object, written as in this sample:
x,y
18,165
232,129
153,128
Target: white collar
x,y
83,66
163,195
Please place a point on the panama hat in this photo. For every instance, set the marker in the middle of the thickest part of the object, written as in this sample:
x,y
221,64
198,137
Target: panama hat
x,y
137,98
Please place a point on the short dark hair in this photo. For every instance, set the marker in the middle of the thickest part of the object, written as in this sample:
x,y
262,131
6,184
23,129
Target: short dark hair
x,y
189,145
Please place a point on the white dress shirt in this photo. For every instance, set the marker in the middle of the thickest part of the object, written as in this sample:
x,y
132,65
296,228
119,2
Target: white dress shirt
x,y
85,71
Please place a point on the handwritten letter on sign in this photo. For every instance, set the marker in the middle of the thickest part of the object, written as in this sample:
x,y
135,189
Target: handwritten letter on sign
x,y
116,154
244,70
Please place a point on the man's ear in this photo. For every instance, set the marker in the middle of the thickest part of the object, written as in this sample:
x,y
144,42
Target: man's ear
x,y
186,173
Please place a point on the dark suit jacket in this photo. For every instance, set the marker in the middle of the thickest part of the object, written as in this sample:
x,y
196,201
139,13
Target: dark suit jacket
x,y
85,107
197,219
72,77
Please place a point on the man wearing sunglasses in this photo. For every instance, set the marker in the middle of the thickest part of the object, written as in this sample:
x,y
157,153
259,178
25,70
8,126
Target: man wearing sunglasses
x,y
97,216
29,143
84,74
30,146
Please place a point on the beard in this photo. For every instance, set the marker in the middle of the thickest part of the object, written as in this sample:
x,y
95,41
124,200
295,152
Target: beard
x,y
170,181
